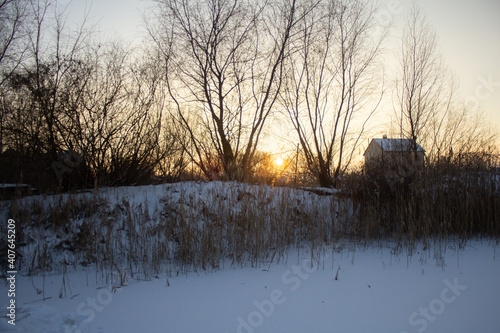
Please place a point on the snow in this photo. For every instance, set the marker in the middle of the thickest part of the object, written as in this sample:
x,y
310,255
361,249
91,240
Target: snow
x,y
440,289
444,286
3,186
396,144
